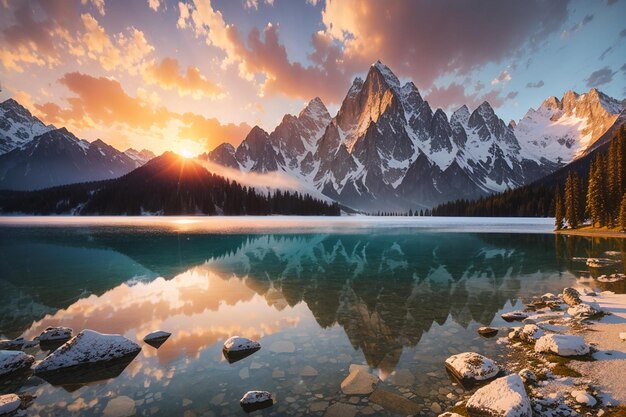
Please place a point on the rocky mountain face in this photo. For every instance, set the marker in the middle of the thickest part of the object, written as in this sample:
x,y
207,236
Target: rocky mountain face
x,y
18,126
34,156
387,149
57,157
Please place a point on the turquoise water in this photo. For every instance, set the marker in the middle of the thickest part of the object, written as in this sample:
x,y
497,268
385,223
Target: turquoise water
x,y
398,296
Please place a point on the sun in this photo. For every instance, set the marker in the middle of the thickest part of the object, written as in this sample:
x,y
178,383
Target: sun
x,y
186,153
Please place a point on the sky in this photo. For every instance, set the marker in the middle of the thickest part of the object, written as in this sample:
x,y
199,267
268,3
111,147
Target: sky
x,y
189,75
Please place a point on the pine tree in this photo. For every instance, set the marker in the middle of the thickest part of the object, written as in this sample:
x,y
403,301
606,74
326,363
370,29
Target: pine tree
x,y
622,213
596,194
559,215
572,201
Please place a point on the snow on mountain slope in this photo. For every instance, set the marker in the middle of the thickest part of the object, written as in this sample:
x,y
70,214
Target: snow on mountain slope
x,y
18,126
562,130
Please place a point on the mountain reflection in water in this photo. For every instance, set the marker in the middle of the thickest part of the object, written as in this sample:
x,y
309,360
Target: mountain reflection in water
x,y
392,300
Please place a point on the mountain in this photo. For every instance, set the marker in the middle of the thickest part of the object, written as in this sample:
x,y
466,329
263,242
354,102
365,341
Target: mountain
x,y
18,126
387,149
169,185
140,157
57,157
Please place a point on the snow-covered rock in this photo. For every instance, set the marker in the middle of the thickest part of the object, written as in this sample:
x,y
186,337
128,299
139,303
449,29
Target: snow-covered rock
x,y
9,403
449,414
527,376
514,316
55,334
529,333
88,347
359,382
562,345
583,311
583,397
156,339
611,278
600,262
14,361
256,400
503,397
12,344
237,348
471,366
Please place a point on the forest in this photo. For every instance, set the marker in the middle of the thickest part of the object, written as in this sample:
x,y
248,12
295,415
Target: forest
x,y
591,189
167,185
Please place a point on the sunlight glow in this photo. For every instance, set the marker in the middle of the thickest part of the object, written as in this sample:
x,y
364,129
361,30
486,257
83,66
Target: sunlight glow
x,y
185,153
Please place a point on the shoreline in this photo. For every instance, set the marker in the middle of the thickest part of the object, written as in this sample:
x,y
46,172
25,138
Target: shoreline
x,y
590,232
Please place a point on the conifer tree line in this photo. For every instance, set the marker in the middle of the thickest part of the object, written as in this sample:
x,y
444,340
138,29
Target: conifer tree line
x,y
595,195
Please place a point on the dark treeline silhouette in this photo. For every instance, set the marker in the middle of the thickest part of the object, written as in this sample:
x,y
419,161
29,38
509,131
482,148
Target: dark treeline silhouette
x,y
590,188
167,185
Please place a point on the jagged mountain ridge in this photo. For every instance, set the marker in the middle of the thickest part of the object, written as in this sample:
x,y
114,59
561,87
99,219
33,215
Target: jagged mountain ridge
x,y
18,126
387,149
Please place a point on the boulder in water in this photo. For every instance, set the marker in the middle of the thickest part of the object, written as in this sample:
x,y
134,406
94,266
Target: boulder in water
x,y
12,361
471,367
236,348
503,397
156,339
256,400
562,345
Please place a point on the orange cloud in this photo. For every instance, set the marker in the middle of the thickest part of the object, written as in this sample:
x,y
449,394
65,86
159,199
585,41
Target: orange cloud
x,y
102,102
167,75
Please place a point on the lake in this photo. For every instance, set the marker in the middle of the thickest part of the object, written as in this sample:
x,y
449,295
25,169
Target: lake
x,y
397,295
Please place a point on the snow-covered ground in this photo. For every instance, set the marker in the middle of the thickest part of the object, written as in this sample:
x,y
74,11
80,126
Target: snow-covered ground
x,y
297,224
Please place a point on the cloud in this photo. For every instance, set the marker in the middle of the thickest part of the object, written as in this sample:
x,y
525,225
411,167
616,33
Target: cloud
x,y
154,4
100,102
600,77
606,51
254,4
537,84
622,34
454,96
168,76
468,34
503,78
578,26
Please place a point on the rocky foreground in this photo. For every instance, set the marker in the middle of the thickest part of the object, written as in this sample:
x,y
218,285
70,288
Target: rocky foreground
x,y
566,358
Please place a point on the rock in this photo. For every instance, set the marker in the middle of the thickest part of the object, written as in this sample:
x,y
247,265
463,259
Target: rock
x,y
282,346
514,316
55,334
88,347
394,402
402,378
256,400
359,382
308,371
562,345
470,367
244,373
156,339
611,278
503,397
528,376
15,344
318,406
583,397
571,297
341,410
9,403
278,373
14,361
487,331
120,407
600,262
236,348
582,311
435,408
530,333
449,414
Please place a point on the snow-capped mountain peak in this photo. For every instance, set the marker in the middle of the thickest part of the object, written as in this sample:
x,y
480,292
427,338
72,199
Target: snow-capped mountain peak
x,y
18,126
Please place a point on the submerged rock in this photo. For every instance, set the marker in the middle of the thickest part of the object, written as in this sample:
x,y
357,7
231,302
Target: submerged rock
x,y
256,400
503,397
9,403
236,348
282,346
156,339
122,406
395,403
12,361
359,382
470,367
514,316
562,345
571,297
487,331
88,348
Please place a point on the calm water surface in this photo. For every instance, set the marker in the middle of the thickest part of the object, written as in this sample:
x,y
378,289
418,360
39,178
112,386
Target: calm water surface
x,y
398,295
